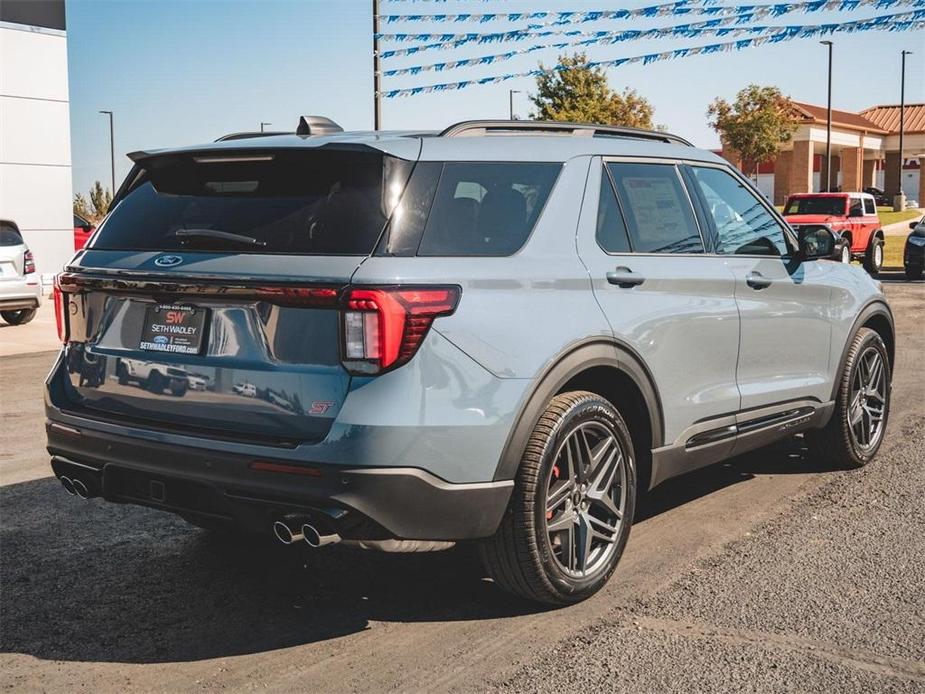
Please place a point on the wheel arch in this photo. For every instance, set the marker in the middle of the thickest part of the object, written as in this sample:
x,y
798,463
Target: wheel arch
x,y
877,316
614,371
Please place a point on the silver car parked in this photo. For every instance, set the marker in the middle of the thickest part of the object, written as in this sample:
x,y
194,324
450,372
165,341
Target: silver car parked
x,y
500,333
20,287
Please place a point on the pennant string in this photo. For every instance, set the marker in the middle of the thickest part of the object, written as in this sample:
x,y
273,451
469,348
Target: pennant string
x,y
910,21
686,31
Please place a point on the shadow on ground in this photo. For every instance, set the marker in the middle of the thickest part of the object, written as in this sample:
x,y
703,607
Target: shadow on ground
x,y
91,581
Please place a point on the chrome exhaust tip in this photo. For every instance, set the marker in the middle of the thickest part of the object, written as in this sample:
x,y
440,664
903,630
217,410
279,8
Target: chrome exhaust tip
x,y
80,489
315,539
68,485
285,534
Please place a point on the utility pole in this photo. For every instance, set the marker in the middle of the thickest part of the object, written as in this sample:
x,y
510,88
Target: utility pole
x,y
899,201
377,101
263,123
511,93
112,153
828,127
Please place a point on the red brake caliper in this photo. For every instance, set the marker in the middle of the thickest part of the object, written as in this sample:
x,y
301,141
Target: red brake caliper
x,y
555,476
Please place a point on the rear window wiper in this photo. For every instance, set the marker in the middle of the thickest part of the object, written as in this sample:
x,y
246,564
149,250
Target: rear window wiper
x,y
216,234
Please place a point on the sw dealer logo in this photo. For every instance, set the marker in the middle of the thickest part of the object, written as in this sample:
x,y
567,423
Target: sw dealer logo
x,y
175,317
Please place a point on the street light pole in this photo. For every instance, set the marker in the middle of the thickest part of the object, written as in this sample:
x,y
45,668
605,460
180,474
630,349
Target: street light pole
x,y
510,97
263,123
899,203
828,126
112,152
377,101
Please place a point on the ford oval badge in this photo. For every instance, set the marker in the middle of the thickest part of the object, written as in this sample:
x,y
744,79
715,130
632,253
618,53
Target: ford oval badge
x,y
168,261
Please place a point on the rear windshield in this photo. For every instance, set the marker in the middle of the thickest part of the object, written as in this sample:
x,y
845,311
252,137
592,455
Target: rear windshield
x,y
323,202
9,235
821,205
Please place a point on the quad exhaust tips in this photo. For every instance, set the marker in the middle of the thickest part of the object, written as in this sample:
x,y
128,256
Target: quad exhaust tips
x,y
315,539
75,487
309,533
285,534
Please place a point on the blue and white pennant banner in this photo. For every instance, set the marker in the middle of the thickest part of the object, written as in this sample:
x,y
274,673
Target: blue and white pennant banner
x,y
911,21
687,31
727,15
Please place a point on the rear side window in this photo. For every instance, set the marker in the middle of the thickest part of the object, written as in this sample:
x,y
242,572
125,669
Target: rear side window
x,y
869,206
9,235
486,208
323,202
657,211
611,229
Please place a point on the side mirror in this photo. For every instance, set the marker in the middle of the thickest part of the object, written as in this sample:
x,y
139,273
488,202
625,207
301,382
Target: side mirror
x,y
819,242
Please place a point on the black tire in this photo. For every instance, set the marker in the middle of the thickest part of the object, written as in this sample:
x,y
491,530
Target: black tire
x,y
836,444
873,259
20,317
520,557
914,272
155,382
179,390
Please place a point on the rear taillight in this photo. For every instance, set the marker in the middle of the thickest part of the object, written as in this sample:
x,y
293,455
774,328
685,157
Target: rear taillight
x,y
383,328
60,322
28,265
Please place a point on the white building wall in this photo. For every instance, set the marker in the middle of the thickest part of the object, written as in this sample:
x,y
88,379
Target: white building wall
x,y
35,146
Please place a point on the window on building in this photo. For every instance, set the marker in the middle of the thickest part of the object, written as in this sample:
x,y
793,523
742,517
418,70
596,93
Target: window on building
x,y
744,226
658,213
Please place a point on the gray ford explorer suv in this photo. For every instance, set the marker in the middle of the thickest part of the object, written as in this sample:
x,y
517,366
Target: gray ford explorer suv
x,y
500,333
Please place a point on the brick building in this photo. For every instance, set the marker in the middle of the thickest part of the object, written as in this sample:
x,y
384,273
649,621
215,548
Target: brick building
x,y
865,153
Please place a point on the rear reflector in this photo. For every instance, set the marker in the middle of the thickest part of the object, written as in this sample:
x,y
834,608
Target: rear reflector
x,y
383,328
267,466
60,321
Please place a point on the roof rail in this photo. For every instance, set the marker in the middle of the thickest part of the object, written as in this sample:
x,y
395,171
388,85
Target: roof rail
x,y
248,135
484,127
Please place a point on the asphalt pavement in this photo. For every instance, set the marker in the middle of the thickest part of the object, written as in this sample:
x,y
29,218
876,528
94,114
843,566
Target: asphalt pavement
x,y
767,573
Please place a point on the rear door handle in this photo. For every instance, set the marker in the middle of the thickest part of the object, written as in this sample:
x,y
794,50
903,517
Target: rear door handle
x,y
624,277
756,280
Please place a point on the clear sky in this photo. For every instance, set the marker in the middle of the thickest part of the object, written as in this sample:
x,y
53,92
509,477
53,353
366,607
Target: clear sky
x,y
185,71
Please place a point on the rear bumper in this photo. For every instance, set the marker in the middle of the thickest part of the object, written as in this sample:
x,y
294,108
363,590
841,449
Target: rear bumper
x,y
358,503
18,294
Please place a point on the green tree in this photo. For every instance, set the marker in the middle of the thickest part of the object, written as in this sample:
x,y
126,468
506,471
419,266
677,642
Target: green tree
x,y
581,93
100,198
81,206
755,125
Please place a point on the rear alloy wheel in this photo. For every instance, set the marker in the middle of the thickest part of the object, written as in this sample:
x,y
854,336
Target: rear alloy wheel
x,y
854,433
570,513
873,259
20,317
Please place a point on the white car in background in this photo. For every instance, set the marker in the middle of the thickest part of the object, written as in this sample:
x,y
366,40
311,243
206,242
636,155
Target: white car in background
x,y
20,287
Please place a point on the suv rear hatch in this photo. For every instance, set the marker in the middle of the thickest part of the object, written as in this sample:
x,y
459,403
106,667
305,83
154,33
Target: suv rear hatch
x,y
208,302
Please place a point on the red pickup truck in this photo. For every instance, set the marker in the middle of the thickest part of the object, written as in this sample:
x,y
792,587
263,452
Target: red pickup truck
x,y
852,215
